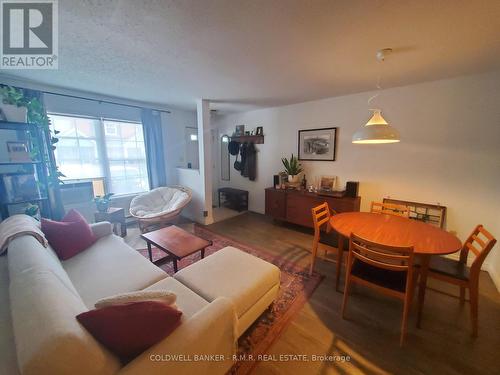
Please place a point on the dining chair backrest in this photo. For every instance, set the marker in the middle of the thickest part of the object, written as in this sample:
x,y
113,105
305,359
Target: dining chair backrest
x,y
393,258
480,242
321,215
390,209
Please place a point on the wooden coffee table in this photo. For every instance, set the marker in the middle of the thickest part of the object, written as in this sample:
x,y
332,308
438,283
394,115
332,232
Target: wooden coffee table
x,y
176,242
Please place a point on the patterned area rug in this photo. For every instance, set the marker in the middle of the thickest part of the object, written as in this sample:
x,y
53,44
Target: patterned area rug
x,y
296,288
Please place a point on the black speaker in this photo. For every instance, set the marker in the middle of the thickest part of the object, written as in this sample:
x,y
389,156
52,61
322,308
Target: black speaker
x,y
351,189
276,180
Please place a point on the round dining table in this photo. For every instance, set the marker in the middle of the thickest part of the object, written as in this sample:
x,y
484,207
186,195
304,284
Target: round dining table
x,y
427,240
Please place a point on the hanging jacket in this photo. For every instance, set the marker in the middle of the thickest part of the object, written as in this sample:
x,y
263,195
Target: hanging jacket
x,y
250,167
243,154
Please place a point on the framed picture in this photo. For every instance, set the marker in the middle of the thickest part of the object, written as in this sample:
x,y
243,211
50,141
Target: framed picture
x,y
259,131
240,130
18,151
18,187
318,144
327,183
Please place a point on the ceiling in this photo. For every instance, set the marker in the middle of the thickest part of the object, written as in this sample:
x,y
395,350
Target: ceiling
x,y
244,54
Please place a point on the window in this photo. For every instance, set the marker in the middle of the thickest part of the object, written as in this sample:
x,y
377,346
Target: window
x,y
77,151
126,156
91,148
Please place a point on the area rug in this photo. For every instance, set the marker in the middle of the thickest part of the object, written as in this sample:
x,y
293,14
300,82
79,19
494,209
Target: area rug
x,y
296,288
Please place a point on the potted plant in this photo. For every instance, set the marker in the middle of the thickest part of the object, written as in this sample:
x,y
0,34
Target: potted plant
x,y
292,168
32,210
13,105
102,202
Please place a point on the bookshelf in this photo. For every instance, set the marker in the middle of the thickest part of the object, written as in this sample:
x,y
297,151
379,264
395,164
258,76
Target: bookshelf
x,y
23,181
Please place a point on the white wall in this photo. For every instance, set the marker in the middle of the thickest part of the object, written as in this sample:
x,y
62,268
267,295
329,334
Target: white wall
x,y
174,140
449,151
192,179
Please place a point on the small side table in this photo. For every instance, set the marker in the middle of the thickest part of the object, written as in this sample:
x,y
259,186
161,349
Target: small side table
x,y
115,216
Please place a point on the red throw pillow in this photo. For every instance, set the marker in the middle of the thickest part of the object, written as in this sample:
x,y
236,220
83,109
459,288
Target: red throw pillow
x,y
70,236
129,329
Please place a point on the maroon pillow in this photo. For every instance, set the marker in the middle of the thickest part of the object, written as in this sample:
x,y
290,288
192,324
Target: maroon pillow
x,y
70,236
129,329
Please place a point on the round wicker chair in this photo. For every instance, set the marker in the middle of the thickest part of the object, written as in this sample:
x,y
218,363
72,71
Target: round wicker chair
x,y
159,206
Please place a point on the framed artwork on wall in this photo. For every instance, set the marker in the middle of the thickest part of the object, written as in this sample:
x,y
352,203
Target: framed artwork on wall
x,y
240,130
318,144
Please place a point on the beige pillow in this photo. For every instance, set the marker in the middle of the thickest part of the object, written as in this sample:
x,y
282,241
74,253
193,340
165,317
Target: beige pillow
x,y
142,295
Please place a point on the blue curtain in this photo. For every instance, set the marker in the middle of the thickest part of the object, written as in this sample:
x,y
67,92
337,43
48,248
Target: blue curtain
x,y
151,122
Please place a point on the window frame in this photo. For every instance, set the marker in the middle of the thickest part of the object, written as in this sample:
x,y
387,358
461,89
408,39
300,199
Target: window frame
x,y
104,160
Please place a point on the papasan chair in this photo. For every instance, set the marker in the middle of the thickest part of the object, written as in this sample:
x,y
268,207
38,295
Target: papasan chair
x,y
159,206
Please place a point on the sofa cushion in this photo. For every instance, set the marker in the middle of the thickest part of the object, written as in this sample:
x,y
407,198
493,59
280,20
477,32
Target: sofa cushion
x,y
110,267
49,339
26,254
8,360
164,296
70,236
129,329
251,277
187,301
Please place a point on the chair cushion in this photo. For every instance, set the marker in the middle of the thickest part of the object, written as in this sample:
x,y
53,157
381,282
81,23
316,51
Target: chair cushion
x,y
449,267
395,280
158,202
251,277
110,267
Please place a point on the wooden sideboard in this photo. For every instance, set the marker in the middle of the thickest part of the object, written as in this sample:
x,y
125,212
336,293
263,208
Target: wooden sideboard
x,y
294,206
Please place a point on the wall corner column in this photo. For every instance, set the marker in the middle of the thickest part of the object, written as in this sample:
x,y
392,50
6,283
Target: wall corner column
x,y
205,151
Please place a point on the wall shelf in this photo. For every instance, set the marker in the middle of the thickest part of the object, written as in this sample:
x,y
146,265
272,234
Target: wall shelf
x,y
257,139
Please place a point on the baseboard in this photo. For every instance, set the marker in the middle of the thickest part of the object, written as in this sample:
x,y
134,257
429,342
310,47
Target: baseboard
x,y
494,274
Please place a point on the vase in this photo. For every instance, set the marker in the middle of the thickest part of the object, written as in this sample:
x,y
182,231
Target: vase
x,y
293,179
13,113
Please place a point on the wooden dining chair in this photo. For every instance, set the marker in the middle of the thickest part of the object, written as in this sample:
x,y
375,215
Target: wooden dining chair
x,y
387,269
324,235
480,242
390,209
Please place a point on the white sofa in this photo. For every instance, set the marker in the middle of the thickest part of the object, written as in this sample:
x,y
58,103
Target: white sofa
x,y
46,295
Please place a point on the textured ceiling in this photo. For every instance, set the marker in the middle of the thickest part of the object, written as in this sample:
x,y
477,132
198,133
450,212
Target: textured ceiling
x,y
255,53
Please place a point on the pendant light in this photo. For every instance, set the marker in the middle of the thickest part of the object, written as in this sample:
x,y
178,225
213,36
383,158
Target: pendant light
x,y
377,130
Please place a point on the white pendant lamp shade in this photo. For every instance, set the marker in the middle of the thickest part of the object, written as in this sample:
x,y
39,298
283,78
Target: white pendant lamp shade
x,y
376,130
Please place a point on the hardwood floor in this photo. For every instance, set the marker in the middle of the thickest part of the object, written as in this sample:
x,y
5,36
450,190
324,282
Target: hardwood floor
x,y
370,334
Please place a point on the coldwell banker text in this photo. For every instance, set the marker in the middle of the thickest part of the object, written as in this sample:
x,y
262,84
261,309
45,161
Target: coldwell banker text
x,y
29,34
